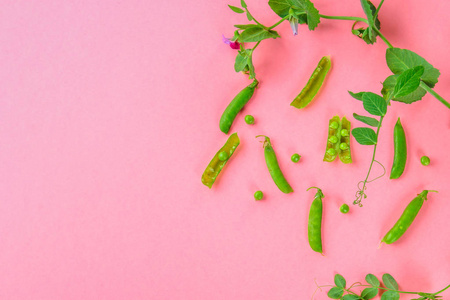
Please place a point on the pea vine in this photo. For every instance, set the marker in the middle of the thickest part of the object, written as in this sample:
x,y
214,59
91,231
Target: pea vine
x,y
372,289
413,77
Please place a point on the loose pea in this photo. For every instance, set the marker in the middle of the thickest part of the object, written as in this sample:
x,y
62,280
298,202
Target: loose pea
x,y
334,125
343,146
425,160
344,132
258,195
331,152
249,119
223,156
333,139
344,208
295,157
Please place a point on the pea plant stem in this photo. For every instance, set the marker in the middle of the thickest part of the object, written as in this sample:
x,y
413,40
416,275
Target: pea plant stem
x,y
432,92
448,286
344,18
278,23
256,21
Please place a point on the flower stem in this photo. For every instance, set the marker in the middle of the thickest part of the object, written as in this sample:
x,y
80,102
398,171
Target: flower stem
x,y
256,21
344,18
378,9
382,37
278,23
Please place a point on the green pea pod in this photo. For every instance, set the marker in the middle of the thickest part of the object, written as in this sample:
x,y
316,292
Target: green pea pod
x,y
314,83
315,221
406,219
345,154
219,160
334,136
398,166
235,106
274,168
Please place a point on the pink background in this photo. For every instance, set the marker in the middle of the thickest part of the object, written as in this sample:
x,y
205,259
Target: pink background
x,y
109,114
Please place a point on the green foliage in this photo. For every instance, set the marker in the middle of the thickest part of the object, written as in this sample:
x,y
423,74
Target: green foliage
x,y
357,96
369,293
256,34
368,34
408,81
350,297
372,280
301,8
335,293
390,295
388,89
339,281
366,120
400,60
389,281
236,9
365,136
374,104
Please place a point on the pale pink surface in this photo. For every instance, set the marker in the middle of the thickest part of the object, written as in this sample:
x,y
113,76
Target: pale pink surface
x,y
109,115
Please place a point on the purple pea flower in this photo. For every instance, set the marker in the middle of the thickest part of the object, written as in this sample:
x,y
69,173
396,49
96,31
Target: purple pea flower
x,y
294,24
232,44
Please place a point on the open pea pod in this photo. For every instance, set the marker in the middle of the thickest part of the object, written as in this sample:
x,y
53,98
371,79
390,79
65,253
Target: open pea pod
x,y
219,160
314,83
345,154
334,137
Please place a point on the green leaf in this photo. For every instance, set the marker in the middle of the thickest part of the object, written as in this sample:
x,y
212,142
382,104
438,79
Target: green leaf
x,y
408,81
339,280
312,14
374,104
390,295
369,293
335,293
367,10
389,282
357,96
371,122
256,34
240,62
245,26
388,87
370,278
243,4
280,7
304,10
365,136
249,16
400,60
350,297
236,9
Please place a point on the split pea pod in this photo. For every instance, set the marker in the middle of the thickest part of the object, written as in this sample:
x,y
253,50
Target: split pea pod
x,y
345,154
219,160
314,83
406,219
334,137
274,168
398,166
315,221
235,106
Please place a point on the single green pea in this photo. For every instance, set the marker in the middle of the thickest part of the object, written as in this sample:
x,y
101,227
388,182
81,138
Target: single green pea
x,y
249,119
334,125
331,151
333,139
295,157
258,195
344,208
343,146
425,160
223,156
344,132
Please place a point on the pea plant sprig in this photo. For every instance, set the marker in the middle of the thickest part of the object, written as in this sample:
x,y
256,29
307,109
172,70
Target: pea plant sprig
x,y
413,77
371,290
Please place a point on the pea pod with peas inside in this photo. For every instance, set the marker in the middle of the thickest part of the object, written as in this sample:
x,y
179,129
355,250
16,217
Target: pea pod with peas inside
x,y
235,106
274,168
406,219
400,154
314,83
315,221
338,142
219,160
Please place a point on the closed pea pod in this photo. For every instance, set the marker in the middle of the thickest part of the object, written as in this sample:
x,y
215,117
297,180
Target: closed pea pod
x,y
314,83
219,160
274,168
406,219
398,166
315,221
235,106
